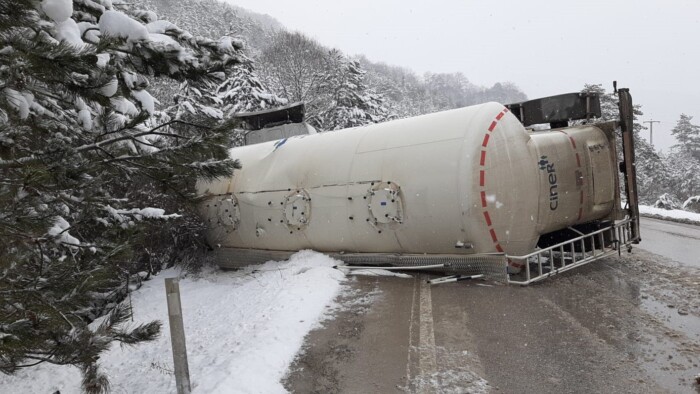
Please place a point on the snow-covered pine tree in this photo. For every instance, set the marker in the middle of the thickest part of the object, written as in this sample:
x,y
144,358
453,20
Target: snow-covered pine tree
x,y
242,91
683,175
214,18
348,102
74,140
194,100
688,135
652,171
683,162
394,83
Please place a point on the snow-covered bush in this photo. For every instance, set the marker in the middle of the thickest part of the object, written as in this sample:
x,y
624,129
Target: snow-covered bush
x,y
667,201
88,176
692,204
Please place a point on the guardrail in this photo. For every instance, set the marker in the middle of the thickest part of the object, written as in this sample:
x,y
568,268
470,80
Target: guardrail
x,y
573,253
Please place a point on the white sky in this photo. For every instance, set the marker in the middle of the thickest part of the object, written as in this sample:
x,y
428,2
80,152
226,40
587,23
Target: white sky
x,y
545,47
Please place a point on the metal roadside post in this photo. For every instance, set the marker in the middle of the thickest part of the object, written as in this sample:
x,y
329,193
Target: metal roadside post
x,y
177,335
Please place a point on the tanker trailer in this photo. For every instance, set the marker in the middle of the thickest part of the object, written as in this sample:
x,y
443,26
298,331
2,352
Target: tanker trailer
x,y
465,189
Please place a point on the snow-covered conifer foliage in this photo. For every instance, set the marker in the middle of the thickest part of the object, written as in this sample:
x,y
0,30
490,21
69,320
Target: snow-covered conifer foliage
x,y
350,102
243,92
294,67
331,85
86,172
408,94
688,135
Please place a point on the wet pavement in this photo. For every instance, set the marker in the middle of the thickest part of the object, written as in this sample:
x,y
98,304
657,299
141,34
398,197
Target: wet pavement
x,y
677,241
619,325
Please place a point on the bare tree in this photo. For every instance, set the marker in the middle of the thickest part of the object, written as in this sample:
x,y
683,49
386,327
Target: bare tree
x,y
293,66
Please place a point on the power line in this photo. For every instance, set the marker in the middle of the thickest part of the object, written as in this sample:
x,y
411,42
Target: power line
x,y
651,130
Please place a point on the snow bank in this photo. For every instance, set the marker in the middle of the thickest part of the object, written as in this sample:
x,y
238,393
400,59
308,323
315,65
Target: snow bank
x,y
243,329
676,214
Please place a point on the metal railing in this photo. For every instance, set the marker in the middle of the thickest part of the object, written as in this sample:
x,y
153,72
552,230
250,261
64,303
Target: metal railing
x,y
573,253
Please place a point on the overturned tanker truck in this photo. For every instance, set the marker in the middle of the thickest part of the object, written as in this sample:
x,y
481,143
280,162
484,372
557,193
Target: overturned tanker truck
x,y
470,190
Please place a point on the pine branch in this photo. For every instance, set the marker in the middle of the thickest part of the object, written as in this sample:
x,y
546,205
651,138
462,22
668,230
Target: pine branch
x,y
67,150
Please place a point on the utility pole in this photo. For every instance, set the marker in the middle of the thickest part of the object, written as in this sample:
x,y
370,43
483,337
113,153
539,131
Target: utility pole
x,y
651,130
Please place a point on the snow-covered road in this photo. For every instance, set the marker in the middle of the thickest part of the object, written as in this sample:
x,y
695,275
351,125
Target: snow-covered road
x,y
676,241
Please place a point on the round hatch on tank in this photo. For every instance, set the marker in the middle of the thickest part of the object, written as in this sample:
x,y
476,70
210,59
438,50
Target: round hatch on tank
x,y
297,209
229,214
385,203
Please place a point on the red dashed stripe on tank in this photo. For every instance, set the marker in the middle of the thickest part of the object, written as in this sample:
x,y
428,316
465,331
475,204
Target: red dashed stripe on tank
x,y
482,179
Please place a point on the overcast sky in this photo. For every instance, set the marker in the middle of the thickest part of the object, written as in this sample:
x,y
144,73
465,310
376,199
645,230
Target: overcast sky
x,y
545,47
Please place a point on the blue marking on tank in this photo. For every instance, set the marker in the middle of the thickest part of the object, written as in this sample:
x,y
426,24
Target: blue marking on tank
x,y
280,143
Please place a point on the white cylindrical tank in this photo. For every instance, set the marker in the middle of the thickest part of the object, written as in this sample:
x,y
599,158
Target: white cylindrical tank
x,y
470,180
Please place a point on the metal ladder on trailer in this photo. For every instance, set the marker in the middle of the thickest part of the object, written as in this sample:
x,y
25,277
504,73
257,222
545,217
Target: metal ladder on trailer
x,y
573,253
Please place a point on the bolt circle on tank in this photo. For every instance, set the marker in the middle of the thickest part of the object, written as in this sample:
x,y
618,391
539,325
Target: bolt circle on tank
x,y
229,213
385,204
297,209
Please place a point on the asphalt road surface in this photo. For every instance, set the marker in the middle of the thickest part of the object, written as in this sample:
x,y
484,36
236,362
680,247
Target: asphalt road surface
x,y
618,325
677,241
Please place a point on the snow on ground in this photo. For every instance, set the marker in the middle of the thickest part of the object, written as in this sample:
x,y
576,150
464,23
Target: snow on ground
x,y
243,330
670,213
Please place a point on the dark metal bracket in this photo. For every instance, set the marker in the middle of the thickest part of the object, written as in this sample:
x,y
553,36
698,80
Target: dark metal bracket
x,y
558,110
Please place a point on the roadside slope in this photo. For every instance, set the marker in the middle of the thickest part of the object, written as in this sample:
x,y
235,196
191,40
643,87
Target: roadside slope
x,y
243,330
